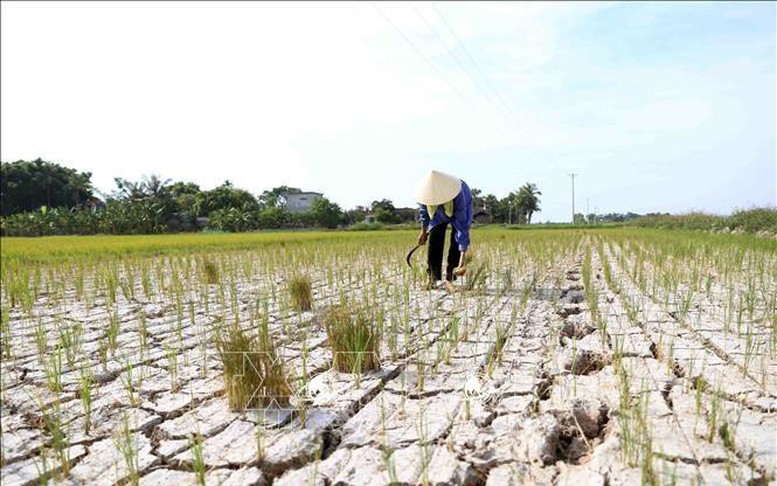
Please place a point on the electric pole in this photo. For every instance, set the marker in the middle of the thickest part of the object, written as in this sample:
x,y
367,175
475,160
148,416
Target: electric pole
x,y
573,175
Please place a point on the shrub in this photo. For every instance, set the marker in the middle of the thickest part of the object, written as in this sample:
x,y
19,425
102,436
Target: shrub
x,y
750,221
364,226
301,293
354,339
754,220
692,221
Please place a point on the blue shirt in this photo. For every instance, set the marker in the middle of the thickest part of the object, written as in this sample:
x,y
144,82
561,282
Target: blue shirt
x,y
461,219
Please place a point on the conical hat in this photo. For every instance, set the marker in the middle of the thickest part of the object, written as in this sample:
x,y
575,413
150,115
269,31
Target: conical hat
x,y
438,188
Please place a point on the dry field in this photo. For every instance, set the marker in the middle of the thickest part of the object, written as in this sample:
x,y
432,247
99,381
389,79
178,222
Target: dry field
x,y
567,357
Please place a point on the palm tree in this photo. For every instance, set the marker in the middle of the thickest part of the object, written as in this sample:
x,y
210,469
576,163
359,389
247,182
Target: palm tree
x,y
527,201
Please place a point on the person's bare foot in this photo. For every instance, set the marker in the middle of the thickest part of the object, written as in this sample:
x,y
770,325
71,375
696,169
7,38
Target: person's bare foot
x,y
449,287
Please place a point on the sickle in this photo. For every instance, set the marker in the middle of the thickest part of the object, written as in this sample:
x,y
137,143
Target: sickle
x,y
411,254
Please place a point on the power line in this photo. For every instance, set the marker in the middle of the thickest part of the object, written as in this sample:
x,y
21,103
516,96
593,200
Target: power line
x,y
499,108
450,52
439,73
510,112
477,66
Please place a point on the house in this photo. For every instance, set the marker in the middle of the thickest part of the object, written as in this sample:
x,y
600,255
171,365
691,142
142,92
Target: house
x,y
482,215
93,204
299,202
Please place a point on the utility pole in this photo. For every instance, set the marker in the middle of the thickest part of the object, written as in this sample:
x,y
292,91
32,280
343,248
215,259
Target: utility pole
x,y
573,175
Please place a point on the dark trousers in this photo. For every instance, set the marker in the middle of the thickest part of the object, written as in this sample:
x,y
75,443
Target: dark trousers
x,y
436,242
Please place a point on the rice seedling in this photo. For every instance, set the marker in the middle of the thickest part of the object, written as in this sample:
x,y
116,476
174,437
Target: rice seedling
x,y
198,461
41,466
5,332
127,287
507,280
713,415
41,339
424,446
172,367
53,371
127,445
131,386
112,332
111,284
71,340
300,290
497,350
527,290
477,275
145,281
85,388
54,425
386,448
354,336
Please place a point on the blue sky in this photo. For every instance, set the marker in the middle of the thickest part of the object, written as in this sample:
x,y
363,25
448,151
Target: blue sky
x,y
658,106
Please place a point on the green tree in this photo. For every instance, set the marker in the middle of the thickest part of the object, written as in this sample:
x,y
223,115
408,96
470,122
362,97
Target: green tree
x,y
274,217
227,196
478,201
527,202
509,208
356,215
188,198
274,198
494,208
384,211
150,187
233,219
26,186
326,213
144,206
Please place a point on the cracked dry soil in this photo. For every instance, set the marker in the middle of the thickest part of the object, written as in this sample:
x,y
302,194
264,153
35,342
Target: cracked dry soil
x,y
523,383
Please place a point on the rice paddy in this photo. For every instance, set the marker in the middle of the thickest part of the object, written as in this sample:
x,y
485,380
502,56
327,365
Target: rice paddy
x,y
610,356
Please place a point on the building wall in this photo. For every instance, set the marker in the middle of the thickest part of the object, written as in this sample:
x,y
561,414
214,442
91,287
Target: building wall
x,y
299,203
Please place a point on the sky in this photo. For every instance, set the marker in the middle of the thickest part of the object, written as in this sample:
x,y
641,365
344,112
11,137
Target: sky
x,y
656,106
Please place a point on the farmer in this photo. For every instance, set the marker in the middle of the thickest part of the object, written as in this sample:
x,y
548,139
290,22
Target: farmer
x,y
445,199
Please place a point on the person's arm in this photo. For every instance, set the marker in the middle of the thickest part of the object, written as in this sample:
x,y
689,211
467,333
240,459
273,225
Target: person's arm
x,y
462,218
424,217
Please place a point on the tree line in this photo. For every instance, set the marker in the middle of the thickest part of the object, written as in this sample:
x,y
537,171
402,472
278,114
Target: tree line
x,y
44,198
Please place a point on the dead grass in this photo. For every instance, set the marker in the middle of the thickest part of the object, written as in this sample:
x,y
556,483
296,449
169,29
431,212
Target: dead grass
x,y
354,336
210,272
301,292
254,376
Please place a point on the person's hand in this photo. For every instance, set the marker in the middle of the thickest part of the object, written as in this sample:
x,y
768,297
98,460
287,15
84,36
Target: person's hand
x,y
422,237
460,271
